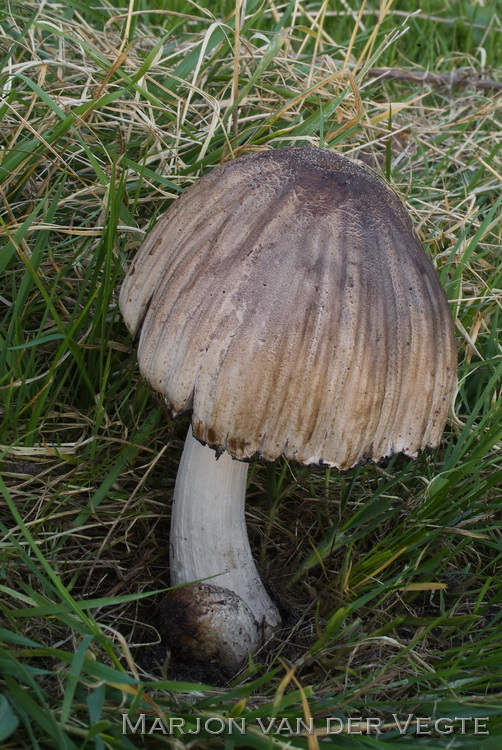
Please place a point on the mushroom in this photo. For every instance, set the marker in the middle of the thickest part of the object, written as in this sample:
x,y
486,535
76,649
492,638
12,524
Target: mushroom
x,y
286,301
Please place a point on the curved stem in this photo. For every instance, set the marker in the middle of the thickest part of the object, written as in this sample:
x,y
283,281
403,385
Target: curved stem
x,y
208,530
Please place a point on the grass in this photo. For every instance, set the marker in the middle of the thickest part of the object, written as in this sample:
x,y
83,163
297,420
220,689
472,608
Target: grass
x,y
388,576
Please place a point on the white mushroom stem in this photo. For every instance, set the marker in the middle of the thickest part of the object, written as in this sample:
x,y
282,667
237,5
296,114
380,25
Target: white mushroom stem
x,y
208,531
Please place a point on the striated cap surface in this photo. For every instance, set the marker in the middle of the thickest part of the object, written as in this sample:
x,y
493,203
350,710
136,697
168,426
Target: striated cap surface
x,y
286,299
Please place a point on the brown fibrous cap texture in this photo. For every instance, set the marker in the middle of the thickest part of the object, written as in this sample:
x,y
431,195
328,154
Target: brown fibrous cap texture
x,y
287,301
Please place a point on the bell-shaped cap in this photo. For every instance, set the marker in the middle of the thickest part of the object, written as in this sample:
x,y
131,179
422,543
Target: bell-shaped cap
x,y
286,300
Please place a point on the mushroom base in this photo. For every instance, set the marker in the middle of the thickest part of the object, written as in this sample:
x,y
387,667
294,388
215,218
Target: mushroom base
x,y
204,623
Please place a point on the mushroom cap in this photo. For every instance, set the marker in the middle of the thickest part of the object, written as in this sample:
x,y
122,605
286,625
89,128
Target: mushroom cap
x,y
287,301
